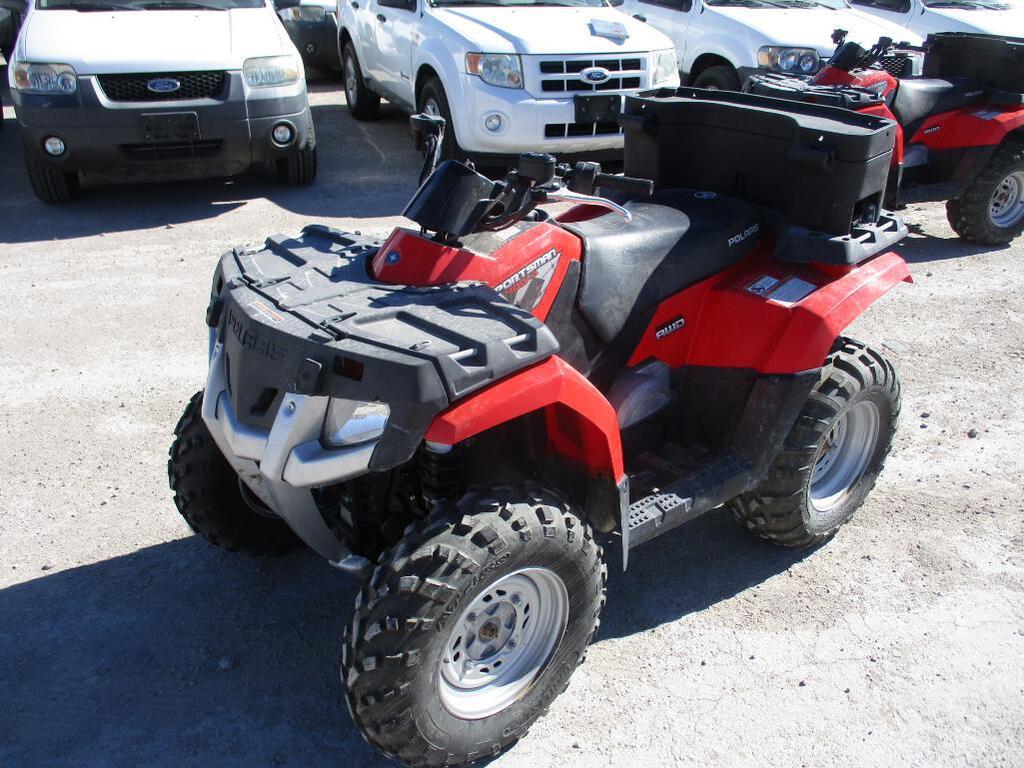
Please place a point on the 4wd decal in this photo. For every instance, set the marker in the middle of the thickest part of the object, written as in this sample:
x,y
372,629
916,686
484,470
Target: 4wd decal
x,y
666,330
527,293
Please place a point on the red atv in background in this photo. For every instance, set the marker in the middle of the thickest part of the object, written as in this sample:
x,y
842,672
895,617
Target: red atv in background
x,y
961,136
453,412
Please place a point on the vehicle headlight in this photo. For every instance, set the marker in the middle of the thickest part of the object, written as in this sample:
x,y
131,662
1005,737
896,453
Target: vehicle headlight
x,y
666,66
504,70
313,13
268,71
351,422
797,60
45,78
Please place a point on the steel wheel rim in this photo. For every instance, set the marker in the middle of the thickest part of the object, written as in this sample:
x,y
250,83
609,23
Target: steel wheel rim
x,y
844,456
1007,205
432,108
350,81
502,642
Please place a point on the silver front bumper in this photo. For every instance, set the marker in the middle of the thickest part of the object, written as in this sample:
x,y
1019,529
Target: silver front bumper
x,y
282,465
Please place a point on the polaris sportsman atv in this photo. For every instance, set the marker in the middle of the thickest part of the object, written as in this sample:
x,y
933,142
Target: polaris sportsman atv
x,y
961,125
460,411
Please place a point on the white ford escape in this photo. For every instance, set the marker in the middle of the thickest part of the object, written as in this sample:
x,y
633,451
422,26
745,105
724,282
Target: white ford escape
x,y
158,89
510,76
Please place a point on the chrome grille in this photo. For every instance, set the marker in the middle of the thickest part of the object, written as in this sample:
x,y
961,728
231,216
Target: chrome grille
x,y
563,75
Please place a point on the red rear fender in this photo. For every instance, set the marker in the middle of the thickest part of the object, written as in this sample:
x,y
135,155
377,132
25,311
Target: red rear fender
x,y
766,315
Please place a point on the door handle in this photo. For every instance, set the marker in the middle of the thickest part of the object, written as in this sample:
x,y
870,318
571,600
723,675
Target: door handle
x,y
381,17
640,17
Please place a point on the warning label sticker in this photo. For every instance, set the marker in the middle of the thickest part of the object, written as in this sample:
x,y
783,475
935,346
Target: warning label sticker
x,y
762,285
791,290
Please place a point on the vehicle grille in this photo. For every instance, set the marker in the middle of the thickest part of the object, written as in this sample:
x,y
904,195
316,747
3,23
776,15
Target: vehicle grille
x,y
175,150
573,130
563,75
194,85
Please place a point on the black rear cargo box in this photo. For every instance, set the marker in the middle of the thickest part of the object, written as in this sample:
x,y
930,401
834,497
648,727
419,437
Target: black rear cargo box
x,y
824,168
799,88
992,61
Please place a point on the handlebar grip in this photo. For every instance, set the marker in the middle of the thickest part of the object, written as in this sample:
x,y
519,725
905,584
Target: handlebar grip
x,y
627,184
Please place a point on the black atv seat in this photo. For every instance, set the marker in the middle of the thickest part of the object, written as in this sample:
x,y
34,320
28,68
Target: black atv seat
x,y
676,238
918,98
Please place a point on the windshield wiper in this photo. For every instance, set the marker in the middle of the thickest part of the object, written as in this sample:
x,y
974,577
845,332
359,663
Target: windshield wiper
x,y
179,5
90,6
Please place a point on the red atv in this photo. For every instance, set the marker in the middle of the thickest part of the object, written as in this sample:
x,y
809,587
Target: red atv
x,y
455,411
961,136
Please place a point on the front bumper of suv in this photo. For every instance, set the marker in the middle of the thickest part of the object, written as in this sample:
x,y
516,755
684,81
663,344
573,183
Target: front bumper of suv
x,y
541,116
316,41
108,138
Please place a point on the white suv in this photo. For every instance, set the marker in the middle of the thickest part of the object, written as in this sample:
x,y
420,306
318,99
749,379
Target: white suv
x,y
989,17
722,42
508,76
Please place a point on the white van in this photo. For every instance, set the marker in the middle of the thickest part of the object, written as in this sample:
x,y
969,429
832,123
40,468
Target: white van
x,y
987,17
158,89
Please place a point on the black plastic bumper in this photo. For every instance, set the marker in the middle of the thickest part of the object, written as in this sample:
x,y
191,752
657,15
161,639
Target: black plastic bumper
x,y
109,139
317,41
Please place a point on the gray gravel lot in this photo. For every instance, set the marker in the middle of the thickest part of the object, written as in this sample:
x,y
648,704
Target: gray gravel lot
x,y
125,641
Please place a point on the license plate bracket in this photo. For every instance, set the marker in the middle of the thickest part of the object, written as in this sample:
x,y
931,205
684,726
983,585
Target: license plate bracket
x,y
171,126
598,109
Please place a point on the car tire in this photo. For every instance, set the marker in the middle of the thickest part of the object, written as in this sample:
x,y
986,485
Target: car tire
x,y
299,168
453,601
721,77
53,187
432,100
209,494
832,455
991,211
363,104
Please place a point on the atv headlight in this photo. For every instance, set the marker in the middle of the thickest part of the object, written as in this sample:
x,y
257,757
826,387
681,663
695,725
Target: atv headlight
x,y
795,60
505,70
351,422
268,71
45,78
309,13
666,66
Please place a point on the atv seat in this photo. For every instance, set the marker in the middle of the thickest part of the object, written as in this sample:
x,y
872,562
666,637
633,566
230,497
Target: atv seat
x,y
676,238
919,98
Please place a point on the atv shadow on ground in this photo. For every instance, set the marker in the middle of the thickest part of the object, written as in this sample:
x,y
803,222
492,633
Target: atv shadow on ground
x,y
920,246
182,654
364,171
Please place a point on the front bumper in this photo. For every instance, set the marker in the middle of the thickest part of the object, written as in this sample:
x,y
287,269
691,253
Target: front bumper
x,y
317,41
108,139
281,465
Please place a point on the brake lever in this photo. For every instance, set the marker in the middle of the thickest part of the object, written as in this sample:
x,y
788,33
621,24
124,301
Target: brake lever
x,y
564,195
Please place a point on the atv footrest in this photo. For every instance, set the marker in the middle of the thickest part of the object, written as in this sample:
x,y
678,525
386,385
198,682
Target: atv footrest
x,y
689,496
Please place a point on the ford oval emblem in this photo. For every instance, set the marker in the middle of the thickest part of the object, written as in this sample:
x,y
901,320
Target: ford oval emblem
x,y
163,85
596,74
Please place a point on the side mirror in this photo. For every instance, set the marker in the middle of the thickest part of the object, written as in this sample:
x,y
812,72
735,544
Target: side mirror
x,y
281,5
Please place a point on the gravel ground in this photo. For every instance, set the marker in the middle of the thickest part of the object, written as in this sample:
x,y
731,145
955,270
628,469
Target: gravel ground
x,y
126,641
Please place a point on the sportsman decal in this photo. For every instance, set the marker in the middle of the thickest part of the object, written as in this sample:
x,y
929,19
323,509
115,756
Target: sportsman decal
x,y
527,287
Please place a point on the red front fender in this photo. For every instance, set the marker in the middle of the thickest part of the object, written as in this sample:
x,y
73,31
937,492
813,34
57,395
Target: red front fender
x,y
581,424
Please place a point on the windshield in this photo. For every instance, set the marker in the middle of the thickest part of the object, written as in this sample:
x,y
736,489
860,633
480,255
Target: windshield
x,y
528,3
833,4
146,5
991,5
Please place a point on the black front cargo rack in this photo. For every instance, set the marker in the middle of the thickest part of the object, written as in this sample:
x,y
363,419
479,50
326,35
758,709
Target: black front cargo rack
x,y
824,168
